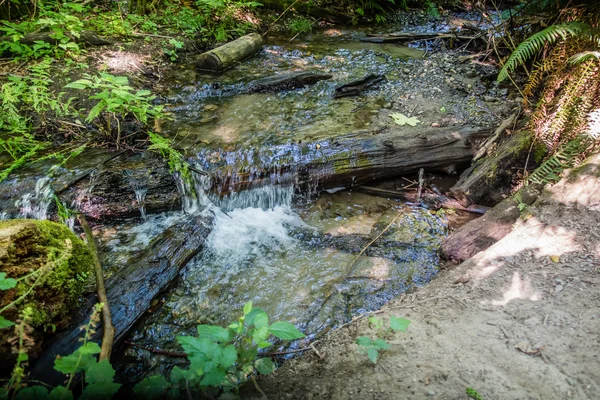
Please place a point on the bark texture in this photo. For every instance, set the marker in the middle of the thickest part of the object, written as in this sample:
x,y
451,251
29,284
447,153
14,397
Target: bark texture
x,y
230,54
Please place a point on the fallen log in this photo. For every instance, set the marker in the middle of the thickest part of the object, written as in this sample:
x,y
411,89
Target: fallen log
x,y
494,171
356,87
481,233
230,54
288,81
85,37
413,37
130,291
432,200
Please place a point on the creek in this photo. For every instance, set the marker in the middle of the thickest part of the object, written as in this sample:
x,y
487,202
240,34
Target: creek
x,y
289,248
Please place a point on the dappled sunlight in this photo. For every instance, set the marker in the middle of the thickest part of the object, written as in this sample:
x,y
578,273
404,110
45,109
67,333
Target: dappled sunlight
x,y
519,289
543,240
121,61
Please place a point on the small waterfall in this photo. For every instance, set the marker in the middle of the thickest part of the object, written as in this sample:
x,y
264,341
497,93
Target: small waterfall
x,y
35,205
140,190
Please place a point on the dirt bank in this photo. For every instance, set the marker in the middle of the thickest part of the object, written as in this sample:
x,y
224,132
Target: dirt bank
x,y
519,320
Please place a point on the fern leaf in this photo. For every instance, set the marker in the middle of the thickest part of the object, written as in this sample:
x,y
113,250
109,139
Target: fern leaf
x,y
551,169
551,34
583,57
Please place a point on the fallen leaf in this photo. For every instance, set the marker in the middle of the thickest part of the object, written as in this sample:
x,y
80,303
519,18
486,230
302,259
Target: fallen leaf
x,y
402,119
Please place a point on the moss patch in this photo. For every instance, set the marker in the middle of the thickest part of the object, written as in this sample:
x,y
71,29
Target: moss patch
x,y
27,246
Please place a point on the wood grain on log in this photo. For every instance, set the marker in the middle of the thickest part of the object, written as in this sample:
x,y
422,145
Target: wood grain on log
x,y
230,54
356,87
413,37
131,290
494,171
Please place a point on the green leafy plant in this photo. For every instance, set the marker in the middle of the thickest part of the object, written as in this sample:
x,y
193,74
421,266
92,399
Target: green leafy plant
x,y
472,393
550,170
402,119
172,51
116,101
173,157
531,46
300,25
222,358
372,346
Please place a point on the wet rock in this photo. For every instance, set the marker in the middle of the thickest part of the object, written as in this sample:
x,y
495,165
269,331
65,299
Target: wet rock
x,y
558,289
489,99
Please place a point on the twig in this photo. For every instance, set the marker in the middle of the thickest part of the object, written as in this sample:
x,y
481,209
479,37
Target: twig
x,y
256,386
150,35
282,353
280,15
421,184
157,351
109,330
312,346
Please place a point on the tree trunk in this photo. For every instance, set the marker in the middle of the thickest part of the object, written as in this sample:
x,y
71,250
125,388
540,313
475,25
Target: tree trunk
x,y
230,54
131,290
495,171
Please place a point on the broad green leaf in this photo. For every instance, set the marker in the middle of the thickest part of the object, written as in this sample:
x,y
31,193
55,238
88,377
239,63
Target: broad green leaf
x,y
214,333
247,307
249,319
152,387
261,320
261,334
4,323
3,394
228,356
192,345
373,354
364,341
213,378
79,84
248,354
197,364
264,365
381,344
6,283
402,119
100,372
399,324
178,375
32,393
89,348
60,393
73,363
264,344
286,331
95,111
100,391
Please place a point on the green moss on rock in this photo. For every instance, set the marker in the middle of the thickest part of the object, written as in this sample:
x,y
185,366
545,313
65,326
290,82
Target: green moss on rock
x,y
27,246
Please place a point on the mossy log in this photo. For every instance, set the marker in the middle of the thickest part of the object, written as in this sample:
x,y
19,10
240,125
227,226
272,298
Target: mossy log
x,y
57,263
230,54
481,233
405,37
485,177
344,162
85,37
130,291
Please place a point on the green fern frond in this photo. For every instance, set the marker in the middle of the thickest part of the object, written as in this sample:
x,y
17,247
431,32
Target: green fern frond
x,y
551,34
583,57
550,171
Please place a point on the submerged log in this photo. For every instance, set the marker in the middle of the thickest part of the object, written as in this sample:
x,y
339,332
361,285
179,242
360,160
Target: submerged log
x,y
484,177
481,233
86,37
289,81
432,200
230,54
413,37
130,291
356,87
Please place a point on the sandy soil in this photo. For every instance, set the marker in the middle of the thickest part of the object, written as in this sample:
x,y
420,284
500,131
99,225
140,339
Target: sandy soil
x,y
518,321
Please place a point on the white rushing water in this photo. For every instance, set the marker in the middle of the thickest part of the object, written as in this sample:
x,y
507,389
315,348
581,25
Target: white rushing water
x,y
35,205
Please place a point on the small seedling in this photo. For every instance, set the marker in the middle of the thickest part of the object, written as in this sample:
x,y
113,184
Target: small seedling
x,y
472,393
372,346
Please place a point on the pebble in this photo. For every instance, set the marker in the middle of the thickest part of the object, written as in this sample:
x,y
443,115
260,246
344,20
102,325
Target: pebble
x,y
431,393
406,71
570,381
435,125
558,288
